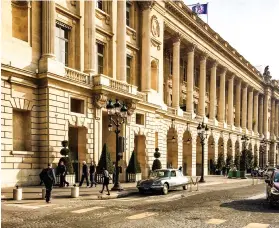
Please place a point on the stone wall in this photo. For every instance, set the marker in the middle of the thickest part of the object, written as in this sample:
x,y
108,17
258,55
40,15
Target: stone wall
x,y
19,145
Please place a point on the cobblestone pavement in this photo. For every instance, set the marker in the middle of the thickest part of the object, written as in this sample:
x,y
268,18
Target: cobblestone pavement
x,y
221,205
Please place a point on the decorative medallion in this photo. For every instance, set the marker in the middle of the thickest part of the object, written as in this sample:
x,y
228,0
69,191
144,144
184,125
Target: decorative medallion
x,y
155,28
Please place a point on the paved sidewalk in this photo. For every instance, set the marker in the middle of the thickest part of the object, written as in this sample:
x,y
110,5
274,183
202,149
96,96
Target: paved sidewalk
x,y
35,192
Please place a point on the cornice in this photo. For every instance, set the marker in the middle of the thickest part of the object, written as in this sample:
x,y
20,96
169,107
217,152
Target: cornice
x,y
15,70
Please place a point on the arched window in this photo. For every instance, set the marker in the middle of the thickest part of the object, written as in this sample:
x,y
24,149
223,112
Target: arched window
x,y
154,75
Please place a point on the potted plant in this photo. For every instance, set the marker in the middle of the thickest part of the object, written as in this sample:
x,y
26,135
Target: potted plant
x,y
236,172
220,163
243,164
104,162
67,159
133,170
156,163
228,166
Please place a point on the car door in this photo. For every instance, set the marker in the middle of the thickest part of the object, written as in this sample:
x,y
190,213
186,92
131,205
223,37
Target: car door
x,y
173,179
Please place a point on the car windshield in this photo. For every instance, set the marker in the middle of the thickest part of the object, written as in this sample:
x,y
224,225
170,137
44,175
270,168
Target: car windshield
x,y
276,177
160,173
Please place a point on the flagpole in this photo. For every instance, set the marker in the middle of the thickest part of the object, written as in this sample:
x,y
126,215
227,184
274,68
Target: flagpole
x,y
207,13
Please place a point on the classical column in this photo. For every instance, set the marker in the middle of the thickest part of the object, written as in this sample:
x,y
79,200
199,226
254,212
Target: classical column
x,y
244,106
89,37
212,104
237,103
121,41
202,86
261,113
145,7
272,119
190,79
276,118
230,100
48,28
250,109
256,110
175,70
221,105
265,113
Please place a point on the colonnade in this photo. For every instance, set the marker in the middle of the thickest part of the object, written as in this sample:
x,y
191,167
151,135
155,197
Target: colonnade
x,y
239,104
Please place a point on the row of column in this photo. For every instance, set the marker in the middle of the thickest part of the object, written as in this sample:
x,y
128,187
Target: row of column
x,y
255,112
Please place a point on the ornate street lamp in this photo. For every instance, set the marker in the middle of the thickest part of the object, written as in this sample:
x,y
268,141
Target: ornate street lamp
x,y
202,133
263,144
117,116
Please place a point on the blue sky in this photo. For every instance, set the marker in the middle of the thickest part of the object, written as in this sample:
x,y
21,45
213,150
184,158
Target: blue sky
x,y
250,26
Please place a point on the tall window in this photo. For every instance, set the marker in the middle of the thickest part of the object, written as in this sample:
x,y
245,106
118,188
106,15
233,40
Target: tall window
x,y
100,4
100,58
128,13
62,44
128,68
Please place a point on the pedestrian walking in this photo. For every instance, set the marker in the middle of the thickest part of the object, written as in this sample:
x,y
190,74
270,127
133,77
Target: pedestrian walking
x,y
85,174
63,172
92,171
48,177
105,181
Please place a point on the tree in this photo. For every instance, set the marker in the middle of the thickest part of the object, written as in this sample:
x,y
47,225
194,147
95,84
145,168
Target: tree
x,y
220,161
229,160
105,161
134,165
67,159
250,159
237,161
246,160
156,163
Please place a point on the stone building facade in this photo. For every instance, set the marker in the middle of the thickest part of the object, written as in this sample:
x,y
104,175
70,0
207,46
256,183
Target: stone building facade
x,y
62,60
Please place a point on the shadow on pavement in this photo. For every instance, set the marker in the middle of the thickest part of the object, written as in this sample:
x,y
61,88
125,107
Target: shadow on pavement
x,y
252,205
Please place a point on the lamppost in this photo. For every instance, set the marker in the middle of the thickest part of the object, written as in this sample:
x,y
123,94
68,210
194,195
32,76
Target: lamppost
x,y
202,133
117,116
263,144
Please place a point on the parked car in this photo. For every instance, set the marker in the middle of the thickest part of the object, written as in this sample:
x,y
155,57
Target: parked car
x,y
163,180
268,172
272,188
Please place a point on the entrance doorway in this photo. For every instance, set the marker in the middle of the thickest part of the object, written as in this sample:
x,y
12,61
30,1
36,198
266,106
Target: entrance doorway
x,y
77,146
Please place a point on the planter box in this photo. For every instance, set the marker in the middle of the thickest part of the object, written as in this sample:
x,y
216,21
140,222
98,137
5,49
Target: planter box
x,y
99,178
237,174
69,178
132,177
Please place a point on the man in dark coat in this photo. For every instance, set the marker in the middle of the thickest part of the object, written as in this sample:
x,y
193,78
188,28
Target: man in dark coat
x,y
92,170
63,172
84,174
48,177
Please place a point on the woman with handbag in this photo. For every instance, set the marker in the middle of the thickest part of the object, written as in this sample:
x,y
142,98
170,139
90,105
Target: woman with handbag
x,y
106,178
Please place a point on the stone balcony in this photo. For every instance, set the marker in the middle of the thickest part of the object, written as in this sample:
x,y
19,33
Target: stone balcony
x,y
107,85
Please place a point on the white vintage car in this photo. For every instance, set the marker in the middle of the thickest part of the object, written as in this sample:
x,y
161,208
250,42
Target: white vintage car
x,y
163,180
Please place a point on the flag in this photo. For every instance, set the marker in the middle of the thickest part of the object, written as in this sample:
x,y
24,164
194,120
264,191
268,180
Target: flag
x,y
200,8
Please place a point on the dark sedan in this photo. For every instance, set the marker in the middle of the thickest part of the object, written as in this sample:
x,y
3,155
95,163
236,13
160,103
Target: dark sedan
x,y
272,188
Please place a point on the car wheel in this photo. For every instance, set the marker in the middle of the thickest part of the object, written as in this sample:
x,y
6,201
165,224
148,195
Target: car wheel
x,y
165,189
185,187
141,191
